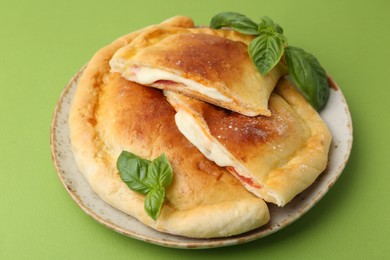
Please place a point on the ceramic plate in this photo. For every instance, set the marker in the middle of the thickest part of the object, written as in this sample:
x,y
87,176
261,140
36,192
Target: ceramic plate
x,y
336,114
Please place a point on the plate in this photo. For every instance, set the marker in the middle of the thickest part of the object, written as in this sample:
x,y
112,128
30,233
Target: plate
x,y
336,114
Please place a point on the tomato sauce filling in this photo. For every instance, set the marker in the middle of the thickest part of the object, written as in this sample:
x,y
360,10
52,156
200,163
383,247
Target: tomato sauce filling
x,y
165,82
244,179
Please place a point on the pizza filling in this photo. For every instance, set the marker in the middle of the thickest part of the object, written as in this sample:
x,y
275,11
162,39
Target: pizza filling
x,y
165,82
247,180
150,76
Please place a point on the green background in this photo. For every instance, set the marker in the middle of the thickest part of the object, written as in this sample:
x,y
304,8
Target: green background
x,y
43,43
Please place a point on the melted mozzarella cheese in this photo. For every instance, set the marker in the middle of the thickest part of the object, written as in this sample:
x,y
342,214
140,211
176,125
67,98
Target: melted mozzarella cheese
x,y
148,76
195,134
200,137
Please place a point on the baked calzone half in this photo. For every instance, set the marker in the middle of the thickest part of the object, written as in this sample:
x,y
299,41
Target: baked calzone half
x,y
110,114
209,65
274,157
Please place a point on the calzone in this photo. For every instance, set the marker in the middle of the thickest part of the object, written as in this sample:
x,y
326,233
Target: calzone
x,y
209,65
274,157
110,114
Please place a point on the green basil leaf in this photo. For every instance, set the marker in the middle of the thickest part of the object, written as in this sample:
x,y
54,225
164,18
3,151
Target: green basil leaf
x,y
146,177
154,201
236,21
308,75
161,171
266,25
266,51
279,29
133,171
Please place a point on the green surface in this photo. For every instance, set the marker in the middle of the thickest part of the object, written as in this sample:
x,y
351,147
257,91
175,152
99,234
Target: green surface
x,y
43,43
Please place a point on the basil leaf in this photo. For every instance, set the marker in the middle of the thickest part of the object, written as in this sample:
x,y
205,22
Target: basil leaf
x,y
154,201
265,51
146,177
266,25
133,171
236,21
308,75
161,170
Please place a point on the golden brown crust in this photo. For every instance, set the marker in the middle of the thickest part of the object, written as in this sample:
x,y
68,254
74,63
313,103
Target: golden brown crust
x,y
110,114
283,154
202,57
217,59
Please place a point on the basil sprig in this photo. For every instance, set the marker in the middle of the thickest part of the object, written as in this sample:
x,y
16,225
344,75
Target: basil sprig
x,y
267,49
146,177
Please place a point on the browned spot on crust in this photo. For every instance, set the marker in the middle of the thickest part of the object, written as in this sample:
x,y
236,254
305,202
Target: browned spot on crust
x,y
92,121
